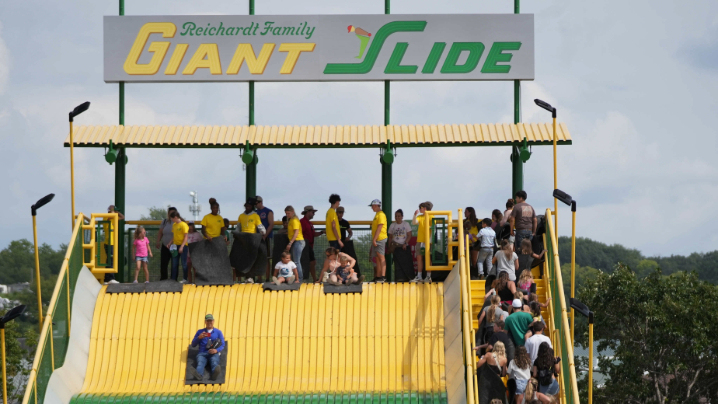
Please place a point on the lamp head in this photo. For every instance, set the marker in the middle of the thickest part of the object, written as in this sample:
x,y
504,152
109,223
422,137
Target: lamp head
x,y
248,155
387,157
545,105
41,202
79,109
11,315
192,193
562,196
581,308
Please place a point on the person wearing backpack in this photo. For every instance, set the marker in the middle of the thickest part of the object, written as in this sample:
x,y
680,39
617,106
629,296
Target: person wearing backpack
x,y
545,369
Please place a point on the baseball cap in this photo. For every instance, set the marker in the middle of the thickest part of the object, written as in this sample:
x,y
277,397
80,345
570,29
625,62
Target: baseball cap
x,y
251,201
517,304
340,209
375,202
258,198
308,208
209,317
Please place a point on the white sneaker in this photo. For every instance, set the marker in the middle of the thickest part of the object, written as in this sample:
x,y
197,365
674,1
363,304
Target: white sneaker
x,y
290,280
250,280
112,281
427,279
417,279
183,281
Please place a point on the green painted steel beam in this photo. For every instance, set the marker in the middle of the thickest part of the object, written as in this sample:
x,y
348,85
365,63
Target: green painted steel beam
x,y
517,165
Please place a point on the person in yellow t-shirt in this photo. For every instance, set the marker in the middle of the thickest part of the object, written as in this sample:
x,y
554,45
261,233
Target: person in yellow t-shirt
x,y
213,224
249,220
420,220
296,239
378,241
178,248
332,223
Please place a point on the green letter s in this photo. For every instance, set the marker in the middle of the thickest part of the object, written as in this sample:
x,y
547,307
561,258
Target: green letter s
x,y
367,64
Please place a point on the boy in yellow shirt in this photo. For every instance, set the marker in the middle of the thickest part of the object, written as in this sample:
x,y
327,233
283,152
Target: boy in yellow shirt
x,y
332,223
378,241
213,224
420,220
178,247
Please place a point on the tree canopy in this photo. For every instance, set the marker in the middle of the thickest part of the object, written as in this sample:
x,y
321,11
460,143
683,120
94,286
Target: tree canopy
x,y
662,330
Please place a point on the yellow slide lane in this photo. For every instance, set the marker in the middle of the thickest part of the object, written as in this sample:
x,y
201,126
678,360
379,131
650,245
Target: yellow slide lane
x,y
390,338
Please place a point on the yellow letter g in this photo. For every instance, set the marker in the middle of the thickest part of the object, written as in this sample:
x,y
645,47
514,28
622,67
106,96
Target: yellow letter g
x,y
159,49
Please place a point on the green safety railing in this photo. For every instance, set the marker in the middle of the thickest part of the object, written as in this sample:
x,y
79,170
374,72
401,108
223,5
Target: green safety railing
x,y
55,335
560,333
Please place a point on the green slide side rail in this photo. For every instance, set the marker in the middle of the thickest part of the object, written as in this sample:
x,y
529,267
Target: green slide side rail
x,y
279,398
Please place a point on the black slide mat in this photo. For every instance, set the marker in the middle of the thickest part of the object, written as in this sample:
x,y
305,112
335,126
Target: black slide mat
x,y
248,255
283,286
168,286
404,265
349,250
280,243
211,263
490,385
192,361
125,288
353,288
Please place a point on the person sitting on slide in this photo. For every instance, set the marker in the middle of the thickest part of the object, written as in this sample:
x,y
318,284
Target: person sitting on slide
x,y
333,262
211,344
285,271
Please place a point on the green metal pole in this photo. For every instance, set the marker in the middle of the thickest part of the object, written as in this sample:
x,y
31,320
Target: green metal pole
x,y
386,171
120,184
517,166
251,172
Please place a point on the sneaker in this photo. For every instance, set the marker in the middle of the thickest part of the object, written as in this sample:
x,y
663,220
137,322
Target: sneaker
x,y
275,280
348,282
417,279
250,280
183,281
135,281
290,280
147,281
361,279
216,372
379,279
112,281
195,373
427,279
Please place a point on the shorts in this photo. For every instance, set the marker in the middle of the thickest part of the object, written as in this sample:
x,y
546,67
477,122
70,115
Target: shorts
x,y
521,385
143,259
334,244
310,250
551,389
417,249
380,248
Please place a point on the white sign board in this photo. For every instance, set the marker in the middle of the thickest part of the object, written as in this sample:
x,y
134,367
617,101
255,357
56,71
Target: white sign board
x,y
319,47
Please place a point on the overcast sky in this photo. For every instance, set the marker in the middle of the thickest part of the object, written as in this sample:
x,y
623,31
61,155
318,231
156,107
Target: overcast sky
x,y
634,81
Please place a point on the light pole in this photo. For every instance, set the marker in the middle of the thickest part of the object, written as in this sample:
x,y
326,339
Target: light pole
x,y
566,198
8,317
42,202
75,112
545,105
583,309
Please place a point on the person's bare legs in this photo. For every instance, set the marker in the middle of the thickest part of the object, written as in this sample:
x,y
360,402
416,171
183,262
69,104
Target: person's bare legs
x,y
147,272
519,398
137,270
380,265
334,280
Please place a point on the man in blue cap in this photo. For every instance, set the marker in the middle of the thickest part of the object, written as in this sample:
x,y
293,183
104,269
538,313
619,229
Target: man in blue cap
x,y
211,344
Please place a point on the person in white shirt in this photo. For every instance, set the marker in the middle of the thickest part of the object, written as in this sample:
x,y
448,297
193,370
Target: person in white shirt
x,y
285,270
399,231
487,236
520,370
533,343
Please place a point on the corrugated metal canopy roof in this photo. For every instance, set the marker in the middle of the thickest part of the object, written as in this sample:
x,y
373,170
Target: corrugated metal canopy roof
x,y
317,136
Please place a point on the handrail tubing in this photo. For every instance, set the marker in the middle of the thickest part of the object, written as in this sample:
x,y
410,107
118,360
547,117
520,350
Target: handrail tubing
x,y
466,321
564,313
47,323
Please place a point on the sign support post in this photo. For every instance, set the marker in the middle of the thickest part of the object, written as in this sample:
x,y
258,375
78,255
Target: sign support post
x,y
386,168
517,165
120,184
251,172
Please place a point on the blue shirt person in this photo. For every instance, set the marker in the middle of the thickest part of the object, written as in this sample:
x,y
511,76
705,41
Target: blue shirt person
x,y
211,344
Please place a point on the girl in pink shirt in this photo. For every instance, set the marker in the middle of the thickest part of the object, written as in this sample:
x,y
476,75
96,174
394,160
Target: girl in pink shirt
x,y
141,248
